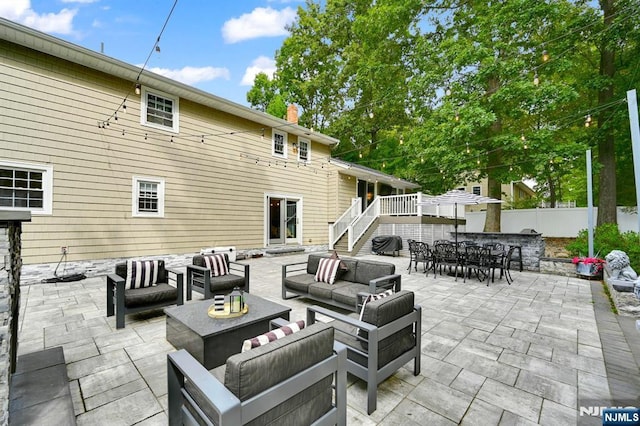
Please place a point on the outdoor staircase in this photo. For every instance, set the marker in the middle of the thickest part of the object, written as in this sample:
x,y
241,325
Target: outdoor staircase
x,y
342,246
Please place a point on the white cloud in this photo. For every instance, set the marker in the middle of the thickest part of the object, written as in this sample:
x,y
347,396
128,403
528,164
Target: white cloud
x,y
20,11
193,75
260,64
261,22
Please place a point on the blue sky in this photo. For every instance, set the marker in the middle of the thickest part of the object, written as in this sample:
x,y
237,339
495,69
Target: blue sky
x,y
214,45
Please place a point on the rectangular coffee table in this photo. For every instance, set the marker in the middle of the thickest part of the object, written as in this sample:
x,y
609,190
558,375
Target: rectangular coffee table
x,y
212,340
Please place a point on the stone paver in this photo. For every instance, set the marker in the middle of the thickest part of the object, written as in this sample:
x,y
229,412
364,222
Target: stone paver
x,y
529,353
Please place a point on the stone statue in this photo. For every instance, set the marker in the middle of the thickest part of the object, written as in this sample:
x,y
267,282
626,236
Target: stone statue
x,y
618,261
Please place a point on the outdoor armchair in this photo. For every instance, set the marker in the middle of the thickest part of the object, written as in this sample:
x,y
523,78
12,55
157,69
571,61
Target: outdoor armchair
x,y
203,277
299,379
387,337
142,285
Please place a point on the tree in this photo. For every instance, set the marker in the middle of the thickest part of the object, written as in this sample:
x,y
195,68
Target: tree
x,y
499,120
261,93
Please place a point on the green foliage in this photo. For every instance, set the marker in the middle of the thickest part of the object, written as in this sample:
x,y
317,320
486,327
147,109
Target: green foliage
x,y
608,237
373,73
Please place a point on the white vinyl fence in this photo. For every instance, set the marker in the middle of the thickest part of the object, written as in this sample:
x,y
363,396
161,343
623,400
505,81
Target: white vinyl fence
x,y
559,222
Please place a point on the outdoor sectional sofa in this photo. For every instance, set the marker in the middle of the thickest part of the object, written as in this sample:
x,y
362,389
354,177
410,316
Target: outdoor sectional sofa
x,y
360,276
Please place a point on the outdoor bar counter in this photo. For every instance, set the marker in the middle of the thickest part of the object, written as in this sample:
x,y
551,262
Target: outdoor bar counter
x,y
530,241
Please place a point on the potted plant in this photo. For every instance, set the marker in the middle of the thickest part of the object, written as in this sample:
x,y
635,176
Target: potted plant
x,y
589,267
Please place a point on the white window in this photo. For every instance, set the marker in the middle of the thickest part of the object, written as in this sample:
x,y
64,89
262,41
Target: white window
x,y
279,144
148,197
304,150
26,187
159,110
476,190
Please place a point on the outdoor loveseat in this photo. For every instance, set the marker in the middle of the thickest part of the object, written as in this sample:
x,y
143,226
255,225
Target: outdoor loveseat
x,y
299,379
209,282
356,276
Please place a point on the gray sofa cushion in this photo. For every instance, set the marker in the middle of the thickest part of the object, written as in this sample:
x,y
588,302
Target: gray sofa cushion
x,y
223,283
251,372
160,293
313,260
350,273
300,282
367,271
348,294
384,311
324,290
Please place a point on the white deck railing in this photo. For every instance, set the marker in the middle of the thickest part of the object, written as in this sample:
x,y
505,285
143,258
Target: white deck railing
x,y
390,205
341,225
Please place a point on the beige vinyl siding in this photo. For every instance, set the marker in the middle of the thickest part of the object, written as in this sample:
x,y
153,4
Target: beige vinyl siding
x,y
213,194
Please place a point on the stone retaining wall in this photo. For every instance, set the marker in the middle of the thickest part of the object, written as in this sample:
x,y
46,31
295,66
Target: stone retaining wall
x,y
557,266
626,302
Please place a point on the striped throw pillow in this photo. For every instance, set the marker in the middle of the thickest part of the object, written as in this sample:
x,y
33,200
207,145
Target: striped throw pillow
x,y
141,273
276,334
327,270
217,264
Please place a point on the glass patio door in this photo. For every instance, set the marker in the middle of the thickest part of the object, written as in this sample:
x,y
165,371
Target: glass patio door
x,y
283,220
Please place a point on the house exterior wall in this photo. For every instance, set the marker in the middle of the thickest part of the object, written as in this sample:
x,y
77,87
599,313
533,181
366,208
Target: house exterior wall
x,y
214,191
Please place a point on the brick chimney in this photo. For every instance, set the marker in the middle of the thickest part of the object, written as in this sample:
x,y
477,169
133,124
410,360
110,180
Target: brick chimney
x,y
292,114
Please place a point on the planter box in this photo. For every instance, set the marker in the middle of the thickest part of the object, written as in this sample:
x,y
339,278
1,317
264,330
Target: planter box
x,y
588,271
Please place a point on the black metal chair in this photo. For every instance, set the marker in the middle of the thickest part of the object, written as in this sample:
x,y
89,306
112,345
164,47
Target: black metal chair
x,y
476,261
446,255
419,252
506,264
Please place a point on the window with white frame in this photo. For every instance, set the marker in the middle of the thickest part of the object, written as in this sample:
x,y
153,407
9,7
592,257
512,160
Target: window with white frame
x,y
476,190
159,110
304,150
148,197
279,144
26,187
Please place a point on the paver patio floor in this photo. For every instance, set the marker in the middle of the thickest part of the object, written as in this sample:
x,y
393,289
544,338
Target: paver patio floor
x,y
527,353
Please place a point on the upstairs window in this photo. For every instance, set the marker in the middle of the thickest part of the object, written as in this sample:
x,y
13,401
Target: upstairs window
x,y
26,187
159,110
476,190
279,144
148,197
304,151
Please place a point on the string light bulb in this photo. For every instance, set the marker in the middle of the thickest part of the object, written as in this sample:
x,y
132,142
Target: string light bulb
x,y
536,79
371,114
360,154
124,107
171,138
587,120
401,140
447,91
115,116
138,88
545,56
457,117
524,141
468,150
202,139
